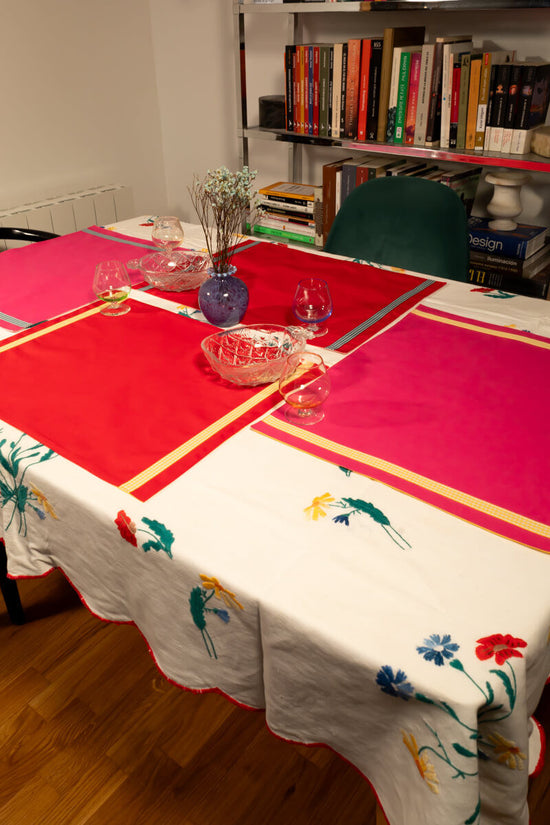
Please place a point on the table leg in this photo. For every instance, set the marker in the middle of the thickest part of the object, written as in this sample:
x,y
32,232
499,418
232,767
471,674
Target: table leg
x,y
380,818
9,590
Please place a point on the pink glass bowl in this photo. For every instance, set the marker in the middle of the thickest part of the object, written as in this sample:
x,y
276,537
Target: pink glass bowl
x,y
251,355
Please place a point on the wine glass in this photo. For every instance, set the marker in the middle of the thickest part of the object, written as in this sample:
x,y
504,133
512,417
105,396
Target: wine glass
x,y
304,384
313,305
112,285
167,234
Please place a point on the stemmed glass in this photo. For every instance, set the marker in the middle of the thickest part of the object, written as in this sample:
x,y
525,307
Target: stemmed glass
x,y
167,234
112,285
313,305
304,384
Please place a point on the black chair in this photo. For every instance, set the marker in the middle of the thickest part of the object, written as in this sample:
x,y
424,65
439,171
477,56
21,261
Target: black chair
x,y
9,233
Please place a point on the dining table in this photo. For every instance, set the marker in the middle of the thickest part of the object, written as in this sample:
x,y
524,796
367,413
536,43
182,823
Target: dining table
x,y
378,582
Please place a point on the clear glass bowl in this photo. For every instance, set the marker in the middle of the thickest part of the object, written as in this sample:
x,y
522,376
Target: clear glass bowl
x,y
184,270
251,355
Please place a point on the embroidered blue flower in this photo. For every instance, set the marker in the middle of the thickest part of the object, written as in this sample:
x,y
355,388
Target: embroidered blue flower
x,y
222,614
342,519
395,684
438,648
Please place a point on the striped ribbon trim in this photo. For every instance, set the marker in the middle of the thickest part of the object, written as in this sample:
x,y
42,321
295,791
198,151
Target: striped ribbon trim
x,y
378,316
512,335
17,322
187,447
482,506
118,240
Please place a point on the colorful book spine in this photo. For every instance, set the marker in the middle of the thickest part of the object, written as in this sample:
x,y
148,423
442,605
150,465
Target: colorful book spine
x,y
351,108
373,99
483,100
463,101
424,86
473,96
511,107
343,92
366,51
316,80
323,89
490,102
500,96
412,97
337,89
455,95
402,94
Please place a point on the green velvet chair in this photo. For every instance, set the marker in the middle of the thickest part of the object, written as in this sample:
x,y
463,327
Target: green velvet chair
x,y
405,222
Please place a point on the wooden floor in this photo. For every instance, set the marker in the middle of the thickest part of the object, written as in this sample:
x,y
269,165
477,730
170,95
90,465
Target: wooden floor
x,y
91,733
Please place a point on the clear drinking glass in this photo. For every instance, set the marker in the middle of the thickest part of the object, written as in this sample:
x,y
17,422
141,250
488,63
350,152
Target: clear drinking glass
x,y
304,384
313,305
167,234
112,285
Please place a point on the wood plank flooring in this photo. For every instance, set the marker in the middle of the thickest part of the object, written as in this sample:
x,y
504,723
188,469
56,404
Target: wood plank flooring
x,y
92,734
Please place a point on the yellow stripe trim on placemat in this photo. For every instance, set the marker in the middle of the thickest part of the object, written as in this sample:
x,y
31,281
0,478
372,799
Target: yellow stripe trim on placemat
x,y
475,503
65,322
188,446
513,335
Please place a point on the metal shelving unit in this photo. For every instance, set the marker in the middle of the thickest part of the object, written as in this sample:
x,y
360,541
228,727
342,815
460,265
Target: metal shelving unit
x,y
297,142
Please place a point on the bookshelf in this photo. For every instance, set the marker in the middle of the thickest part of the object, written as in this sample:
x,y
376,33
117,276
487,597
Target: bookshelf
x,y
457,14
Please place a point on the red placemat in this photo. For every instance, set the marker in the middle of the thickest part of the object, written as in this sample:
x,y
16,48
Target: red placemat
x,y
447,410
366,298
130,398
42,280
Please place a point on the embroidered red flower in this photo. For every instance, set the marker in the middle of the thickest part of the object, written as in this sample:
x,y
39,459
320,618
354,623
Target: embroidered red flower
x,y
499,646
482,289
126,527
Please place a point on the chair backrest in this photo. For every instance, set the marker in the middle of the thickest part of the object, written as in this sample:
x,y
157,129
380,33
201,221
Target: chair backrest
x,y
405,222
10,233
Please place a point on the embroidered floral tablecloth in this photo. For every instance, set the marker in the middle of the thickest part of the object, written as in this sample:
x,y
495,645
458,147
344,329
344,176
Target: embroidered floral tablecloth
x,y
412,642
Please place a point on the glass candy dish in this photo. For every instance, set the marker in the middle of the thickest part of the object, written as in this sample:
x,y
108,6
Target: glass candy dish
x,y
251,355
184,270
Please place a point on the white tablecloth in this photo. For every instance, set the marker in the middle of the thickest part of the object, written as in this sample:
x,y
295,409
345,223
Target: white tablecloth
x,y
413,643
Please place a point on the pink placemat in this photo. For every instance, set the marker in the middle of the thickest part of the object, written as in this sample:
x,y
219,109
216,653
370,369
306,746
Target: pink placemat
x,y
42,280
366,298
449,410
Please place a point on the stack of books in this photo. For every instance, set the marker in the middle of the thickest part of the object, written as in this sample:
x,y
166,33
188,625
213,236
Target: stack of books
x,y
516,261
291,212
399,89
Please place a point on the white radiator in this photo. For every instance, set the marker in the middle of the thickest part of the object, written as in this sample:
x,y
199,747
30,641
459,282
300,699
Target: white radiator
x,y
100,205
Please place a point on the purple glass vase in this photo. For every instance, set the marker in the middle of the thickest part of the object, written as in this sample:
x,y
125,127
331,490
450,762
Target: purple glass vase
x,y
223,298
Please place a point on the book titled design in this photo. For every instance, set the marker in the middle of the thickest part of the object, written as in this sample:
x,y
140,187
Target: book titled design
x,y
520,242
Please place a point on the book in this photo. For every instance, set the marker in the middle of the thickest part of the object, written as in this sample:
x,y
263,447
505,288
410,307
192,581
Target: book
x,y
373,98
289,235
500,96
297,192
535,287
400,36
375,167
473,96
338,51
349,176
424,85
450,52
520,242
511,106
343,91
402,95
464,182
534,97
351,112
517,266
282,206
487,60
463,101
412,96
488,116
315,94
308,83
366,50
433,119
324,64
455,94
407,167
331,174
283,223
290,54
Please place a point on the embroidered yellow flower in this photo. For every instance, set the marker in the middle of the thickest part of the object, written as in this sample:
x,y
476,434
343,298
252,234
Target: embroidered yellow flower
x,y
229,599
425,767
317,507
43,501
507,752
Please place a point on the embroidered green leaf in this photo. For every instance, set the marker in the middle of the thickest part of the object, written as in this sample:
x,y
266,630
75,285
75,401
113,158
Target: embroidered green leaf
x,y
474,816
490,693
369,509
457,664
450,711
463,751
422,698
507,686
196,604
165,535
151,545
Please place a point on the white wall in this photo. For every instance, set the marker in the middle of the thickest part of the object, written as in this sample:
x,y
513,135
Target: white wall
x,y
79,106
